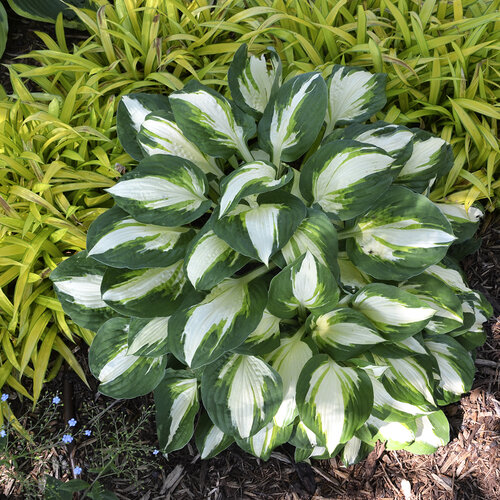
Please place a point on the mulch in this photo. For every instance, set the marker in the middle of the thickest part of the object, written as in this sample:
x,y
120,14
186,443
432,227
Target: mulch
x,y
467,468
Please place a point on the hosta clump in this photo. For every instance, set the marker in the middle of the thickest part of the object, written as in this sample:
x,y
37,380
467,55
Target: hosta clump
x,y
273,270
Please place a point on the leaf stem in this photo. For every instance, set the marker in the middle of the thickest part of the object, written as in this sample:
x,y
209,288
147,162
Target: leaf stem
x,y
258,272
348,233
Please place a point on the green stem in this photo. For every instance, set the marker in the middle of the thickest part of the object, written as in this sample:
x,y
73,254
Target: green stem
x,y
348,233
245,152
260,271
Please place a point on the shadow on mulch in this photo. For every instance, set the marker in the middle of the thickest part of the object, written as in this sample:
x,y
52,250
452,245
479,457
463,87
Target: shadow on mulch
x,y
467,468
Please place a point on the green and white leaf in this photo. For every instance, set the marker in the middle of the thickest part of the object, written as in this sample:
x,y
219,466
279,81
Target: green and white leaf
x,y
148,337
288,360
353,95
164,190
448,275
145,293
333,401
209,259
159,134
77,283
132,111
259,232
117,240
293,118
396,435
177,403
399,237
241,394
264,339
315,234
220,322
441,298
122,375
209,120
355,451
254,80
251,178
432,432
344,333
304,284
209,439
456,366
395,140
351,278
431,158
266,440
396,313
463,222
346,177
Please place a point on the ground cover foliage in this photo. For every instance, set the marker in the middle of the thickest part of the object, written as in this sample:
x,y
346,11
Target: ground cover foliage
x,y
355,329
195,39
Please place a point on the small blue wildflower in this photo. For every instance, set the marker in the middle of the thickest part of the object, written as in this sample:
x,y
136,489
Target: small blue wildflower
x,y
5,397
155,451
88,432
77,470
2,433
56,400
67,438
72,422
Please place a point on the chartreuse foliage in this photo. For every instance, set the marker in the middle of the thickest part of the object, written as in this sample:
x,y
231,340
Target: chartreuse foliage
x,y
274,271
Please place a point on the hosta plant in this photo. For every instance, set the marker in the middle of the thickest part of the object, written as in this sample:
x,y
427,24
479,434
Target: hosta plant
x,y
273,270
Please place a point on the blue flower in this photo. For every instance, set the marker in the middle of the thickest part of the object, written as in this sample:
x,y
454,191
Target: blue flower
x,y
77,470
155,451
5,397
72,422
88,432
67,438
56,400
2,433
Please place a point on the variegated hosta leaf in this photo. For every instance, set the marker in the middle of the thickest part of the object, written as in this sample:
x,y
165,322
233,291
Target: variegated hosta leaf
x,y
209,259
396,435
463,222
315,234
431,158
77,282
259,232
131,113
333,401
344,333
220,322
148,337
432,432
396,313
122,375
146,293
456,367
264,339
317,452
266,440
351,278
395,140
177,403
306,283
353,95
346,177
441,298
409,379
241,394
390,409
160,134
288,360
293,118
164,190
355,451
305,438
252,82
209,439
251,178
452,277
399,237
117,240
209,120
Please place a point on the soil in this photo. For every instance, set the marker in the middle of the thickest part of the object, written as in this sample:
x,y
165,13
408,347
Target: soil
x,y
467,468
